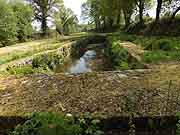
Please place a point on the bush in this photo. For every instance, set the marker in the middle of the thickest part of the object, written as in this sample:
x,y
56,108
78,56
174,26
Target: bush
x,y
48,124
56,124
20,70
178,124
45,61
161,44
156,56
121,58
26,69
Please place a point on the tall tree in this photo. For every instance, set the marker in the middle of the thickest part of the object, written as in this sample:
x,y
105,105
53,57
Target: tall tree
x,y
24,15
65,21
158,9
175,7
128,8
8,23
142,5
44,9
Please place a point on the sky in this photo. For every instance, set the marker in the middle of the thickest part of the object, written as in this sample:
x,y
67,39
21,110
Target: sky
x,y
75,5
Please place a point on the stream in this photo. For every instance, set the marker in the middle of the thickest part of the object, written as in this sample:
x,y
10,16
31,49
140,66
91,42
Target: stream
x,y
93,59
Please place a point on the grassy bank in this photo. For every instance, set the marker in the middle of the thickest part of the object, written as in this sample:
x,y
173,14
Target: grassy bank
x,y
120,57
157,48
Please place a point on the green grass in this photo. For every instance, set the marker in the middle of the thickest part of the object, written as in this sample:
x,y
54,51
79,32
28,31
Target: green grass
x,y
120,57
45,63
27,69
151,42
22,54
158,48
159,56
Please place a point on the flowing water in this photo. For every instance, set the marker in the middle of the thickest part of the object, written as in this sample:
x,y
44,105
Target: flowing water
x,y
92,60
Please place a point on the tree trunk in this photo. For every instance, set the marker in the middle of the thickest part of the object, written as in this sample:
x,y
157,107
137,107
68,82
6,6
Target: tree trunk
x,y
127,19
175,12
158,10
118,18
141,9
104,23
44,27
110,22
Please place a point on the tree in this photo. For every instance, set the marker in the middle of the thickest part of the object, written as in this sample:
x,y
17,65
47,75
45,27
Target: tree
x,y
175,7
24,15
128,8
142,4
44,9
65,21
158,9
8,23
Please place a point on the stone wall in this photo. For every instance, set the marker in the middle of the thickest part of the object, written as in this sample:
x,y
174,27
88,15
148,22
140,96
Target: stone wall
x,y
65,51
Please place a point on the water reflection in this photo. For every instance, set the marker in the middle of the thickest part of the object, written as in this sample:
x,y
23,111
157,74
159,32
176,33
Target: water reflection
x,y
81,65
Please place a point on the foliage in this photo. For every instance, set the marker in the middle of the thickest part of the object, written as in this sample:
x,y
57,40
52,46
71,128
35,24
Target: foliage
x,y
56,124
65,21
48,124
26,69
24,16
120,57
152,42
157,56
20,70
45,61
159,48
28,52
8,22
178,125
89,125
44,9
15,21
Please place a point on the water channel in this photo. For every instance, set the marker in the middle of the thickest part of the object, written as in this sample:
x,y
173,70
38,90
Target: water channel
x,y
93,59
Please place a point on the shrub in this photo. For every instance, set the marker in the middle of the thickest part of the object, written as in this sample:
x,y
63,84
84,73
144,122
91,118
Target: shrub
x,y
89,125
159,44
156,56
121,58
48,124
56,124
47,61
178,124
21,70
26,69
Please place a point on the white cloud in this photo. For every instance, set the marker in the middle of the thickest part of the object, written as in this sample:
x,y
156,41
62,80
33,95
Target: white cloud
x,y
75,5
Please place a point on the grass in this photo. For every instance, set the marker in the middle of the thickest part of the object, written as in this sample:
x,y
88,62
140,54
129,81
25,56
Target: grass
x,y
21,54
159,56
151,42
120,57
157,48
18,51
27,69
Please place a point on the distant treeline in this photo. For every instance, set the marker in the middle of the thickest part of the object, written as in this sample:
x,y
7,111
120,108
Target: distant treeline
x,y
132,15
